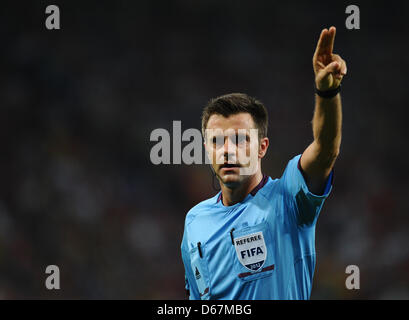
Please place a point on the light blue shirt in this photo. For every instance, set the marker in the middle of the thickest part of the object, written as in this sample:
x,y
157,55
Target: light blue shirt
x,y
260,248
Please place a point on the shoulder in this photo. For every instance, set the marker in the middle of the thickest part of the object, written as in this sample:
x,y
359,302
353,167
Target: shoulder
x,y
269,189
294,162
292,172
201,208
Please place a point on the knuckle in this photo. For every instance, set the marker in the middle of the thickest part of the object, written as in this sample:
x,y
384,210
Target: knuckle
x,y
336,56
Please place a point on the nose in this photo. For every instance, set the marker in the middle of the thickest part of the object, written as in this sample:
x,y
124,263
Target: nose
x,y
230,149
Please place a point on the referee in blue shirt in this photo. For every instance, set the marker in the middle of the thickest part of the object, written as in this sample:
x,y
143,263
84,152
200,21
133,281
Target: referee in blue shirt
x,y
255,239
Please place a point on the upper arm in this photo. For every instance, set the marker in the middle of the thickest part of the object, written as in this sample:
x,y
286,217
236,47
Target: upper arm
x,y
303,204
316,166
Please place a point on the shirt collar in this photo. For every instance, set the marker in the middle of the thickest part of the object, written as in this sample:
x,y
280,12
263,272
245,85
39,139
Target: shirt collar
x,y
252,192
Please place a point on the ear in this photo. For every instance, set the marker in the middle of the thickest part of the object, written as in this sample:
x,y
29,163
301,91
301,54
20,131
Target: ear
x,y
263,146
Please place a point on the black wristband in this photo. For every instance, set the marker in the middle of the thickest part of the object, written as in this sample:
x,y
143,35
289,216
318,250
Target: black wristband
x,y
329,93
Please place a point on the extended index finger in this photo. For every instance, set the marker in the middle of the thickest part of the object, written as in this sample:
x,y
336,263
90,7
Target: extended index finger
x,y
326,41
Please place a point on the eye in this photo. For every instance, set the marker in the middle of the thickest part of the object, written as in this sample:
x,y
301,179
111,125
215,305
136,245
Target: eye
x,y
241,138
218,140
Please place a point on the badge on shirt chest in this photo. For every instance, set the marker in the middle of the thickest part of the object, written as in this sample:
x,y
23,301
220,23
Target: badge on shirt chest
x,y
251,250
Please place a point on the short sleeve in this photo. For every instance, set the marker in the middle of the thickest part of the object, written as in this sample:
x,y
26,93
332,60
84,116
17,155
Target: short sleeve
x,y
306,205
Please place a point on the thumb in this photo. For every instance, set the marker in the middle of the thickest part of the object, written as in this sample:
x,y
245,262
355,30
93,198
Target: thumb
x,y
327,78
333,67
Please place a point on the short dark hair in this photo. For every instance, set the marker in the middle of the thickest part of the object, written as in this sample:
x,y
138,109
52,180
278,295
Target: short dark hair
x,y
234,103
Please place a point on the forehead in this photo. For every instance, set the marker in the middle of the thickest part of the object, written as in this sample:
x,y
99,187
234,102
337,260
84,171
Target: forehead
x,y
234,121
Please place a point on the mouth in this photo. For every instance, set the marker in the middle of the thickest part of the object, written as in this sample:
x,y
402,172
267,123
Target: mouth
x,y
229,166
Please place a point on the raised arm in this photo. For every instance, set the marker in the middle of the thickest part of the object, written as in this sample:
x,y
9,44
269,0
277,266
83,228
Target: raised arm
x,y
318,159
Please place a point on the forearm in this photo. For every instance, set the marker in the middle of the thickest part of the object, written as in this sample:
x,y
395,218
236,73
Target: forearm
x,y
327,124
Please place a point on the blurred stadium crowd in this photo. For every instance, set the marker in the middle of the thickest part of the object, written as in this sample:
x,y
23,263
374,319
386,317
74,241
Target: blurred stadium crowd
x,y
78,190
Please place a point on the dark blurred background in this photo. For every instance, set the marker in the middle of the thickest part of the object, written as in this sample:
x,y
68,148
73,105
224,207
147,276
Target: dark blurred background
x,y
78,189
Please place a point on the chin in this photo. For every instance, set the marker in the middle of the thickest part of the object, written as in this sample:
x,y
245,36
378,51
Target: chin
x,y
231,180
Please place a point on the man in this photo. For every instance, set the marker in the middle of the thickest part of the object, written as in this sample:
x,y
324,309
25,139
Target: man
x,y
256,238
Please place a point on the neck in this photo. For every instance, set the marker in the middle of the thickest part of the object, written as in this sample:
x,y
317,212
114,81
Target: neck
x,y
237,194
